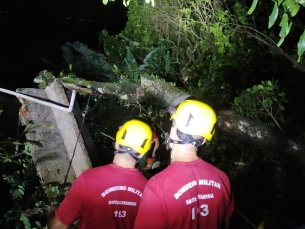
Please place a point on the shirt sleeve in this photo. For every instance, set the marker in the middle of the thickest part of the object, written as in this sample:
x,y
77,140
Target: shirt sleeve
x,y
150,214
70,209
230,207
154,135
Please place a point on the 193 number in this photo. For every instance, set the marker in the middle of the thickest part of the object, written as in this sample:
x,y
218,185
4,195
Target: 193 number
x,y
120,214
203,210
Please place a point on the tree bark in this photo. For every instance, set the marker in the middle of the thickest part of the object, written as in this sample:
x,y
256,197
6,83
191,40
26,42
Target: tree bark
x,y
259,135
152,88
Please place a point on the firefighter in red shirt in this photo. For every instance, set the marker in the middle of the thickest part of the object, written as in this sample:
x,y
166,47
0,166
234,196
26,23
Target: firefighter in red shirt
x,y
189,193
143,165
108,196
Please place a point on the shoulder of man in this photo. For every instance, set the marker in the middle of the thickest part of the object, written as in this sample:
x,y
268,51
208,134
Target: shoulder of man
x,y
160,177
213,168
219,172
97,170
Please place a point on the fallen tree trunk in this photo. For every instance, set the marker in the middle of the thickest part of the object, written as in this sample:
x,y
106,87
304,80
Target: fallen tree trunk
x,y
162,94
151,88
259,135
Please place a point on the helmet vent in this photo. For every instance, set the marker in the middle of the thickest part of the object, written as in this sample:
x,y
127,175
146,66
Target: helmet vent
x,y
190,121
144,142
124,135
213,128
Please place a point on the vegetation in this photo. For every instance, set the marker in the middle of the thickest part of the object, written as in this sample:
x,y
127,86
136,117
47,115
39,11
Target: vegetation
x,y
262,102
220,52
288,9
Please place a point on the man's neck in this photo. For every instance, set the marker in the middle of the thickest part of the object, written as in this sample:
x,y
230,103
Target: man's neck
x,y
124,161
184,153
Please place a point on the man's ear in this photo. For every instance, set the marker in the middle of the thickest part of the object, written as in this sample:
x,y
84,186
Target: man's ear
x,y
116,145
173,131
141,155
204,141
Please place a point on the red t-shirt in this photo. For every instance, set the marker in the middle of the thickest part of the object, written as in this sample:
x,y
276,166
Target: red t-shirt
x,y
103,197
186,195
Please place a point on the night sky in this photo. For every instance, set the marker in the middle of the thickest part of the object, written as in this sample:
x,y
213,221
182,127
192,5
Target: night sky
x,y
33,29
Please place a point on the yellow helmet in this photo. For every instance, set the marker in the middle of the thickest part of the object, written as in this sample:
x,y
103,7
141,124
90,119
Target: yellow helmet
x,y
195,118
136,135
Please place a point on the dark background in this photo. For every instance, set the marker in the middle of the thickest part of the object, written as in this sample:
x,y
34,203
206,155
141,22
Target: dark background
x,y
33,29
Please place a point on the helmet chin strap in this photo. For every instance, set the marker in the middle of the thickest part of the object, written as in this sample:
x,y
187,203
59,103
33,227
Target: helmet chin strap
x,y
185,139
169,141
129,152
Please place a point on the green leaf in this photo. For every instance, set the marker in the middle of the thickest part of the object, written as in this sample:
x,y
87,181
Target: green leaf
x,y
294,10
284,25
301,2
289,27
28,126
260,87
7,160
236,101
105,2
254,88
70,67
279,2
21,187
282,108
292,6
273,16
17,143
280,42
21,191
46,126
147,90
38,223
36,143
301,46
269,83
253,6
265,104
269,101
27,152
